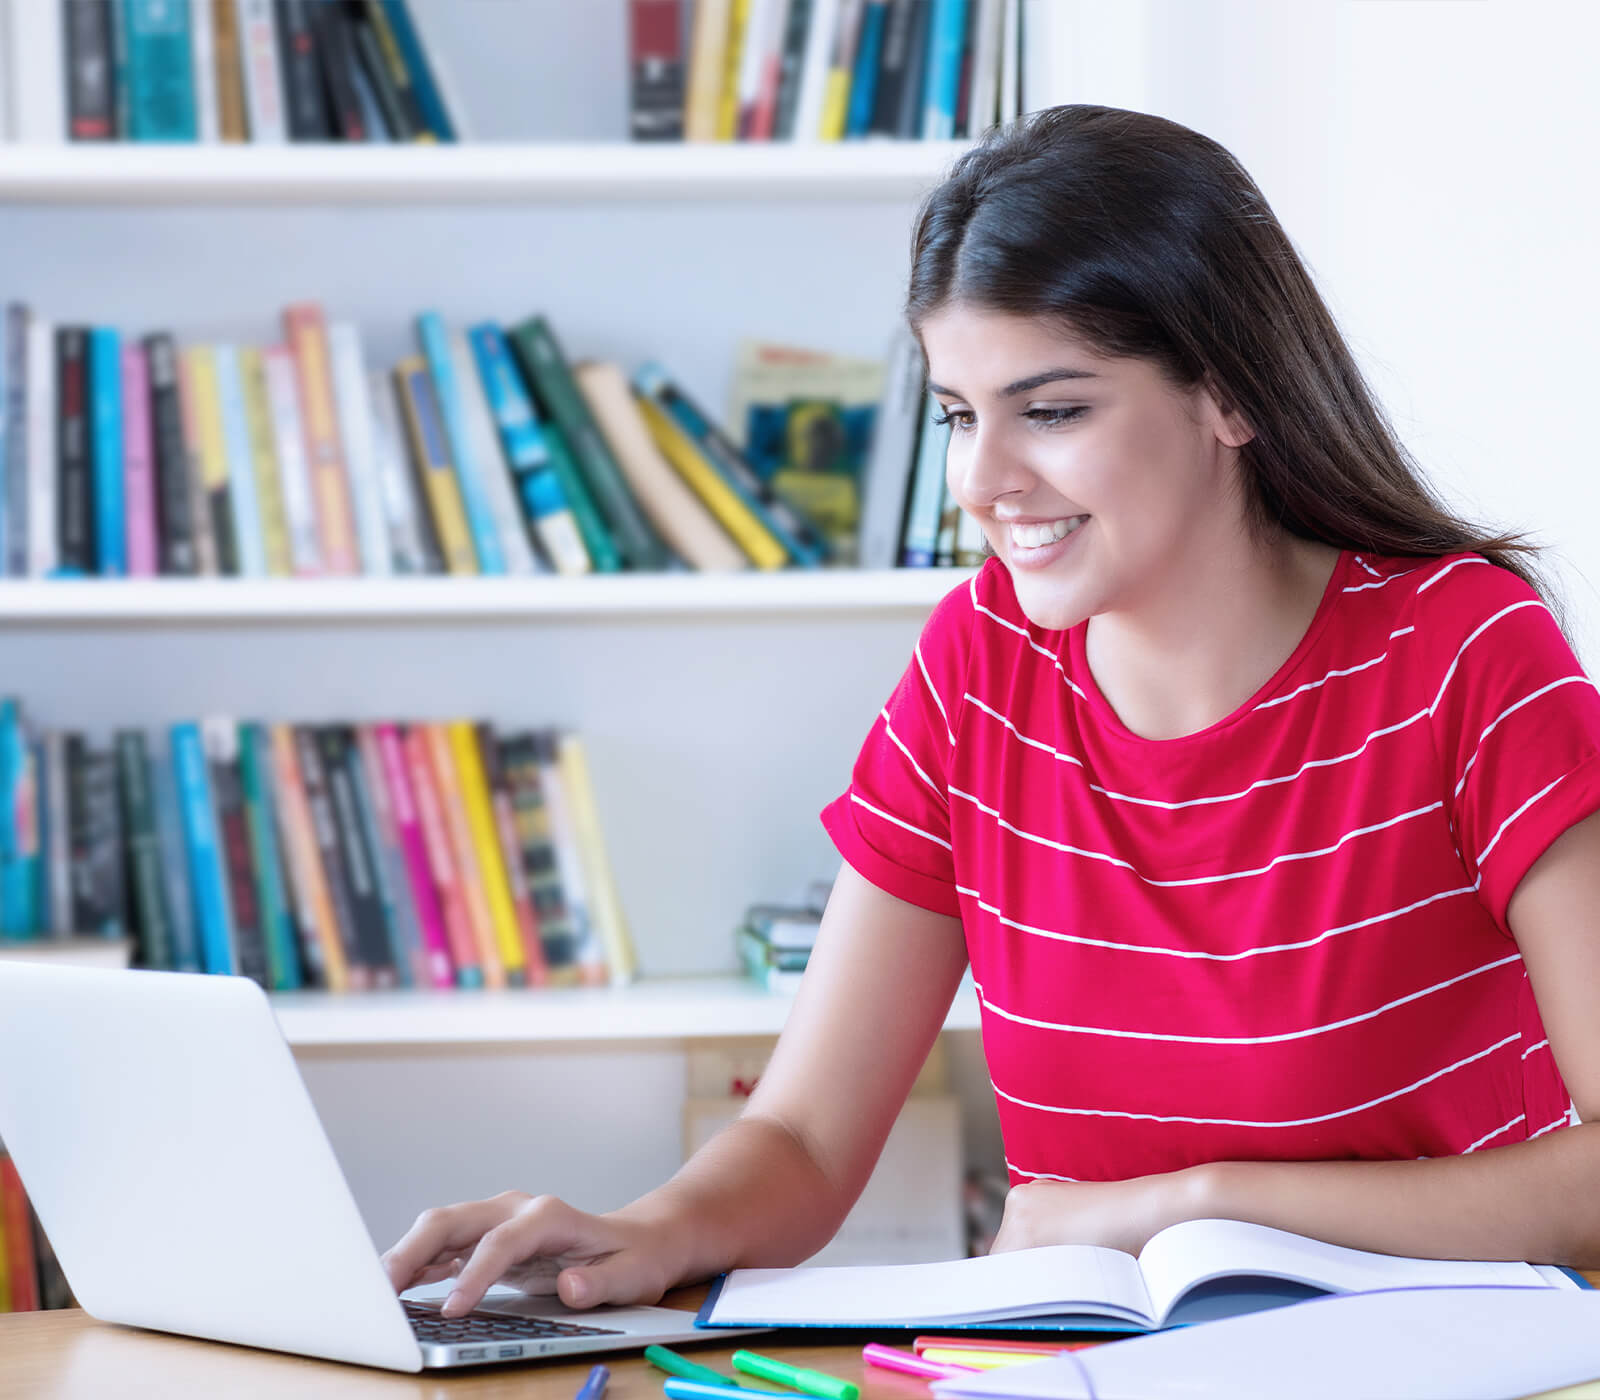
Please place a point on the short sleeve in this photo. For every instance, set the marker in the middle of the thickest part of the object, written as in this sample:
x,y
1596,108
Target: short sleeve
x,y
1516,722
892,824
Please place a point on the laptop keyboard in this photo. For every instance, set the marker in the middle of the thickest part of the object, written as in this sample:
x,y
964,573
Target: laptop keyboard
x,y
429,1326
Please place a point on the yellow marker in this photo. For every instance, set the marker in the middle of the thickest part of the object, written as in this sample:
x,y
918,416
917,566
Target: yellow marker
x,y
982,1360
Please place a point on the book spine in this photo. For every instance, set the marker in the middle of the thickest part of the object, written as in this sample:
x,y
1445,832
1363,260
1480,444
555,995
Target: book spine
x,y
228,80
864,78
908,125
205,538
394,64
892,66
797,26
42,463
348,363
14,442
175,878
520,764
546,367
307,333
276,918
305,110
201,363
505,826
91,99
294,467
383,838
733,62
138,465
320,944
151,921
373,932
707,53
441,859
494,475
477,805
796,533
424,82
527,452
397,113
588,952
221,739
841,66
414,389
105,452
469,472
452,809
262,72
277,556
410,536
656,77
161,76
360,972
408,831
927,486
244,521
621,958
206,871
947,30
174,527
57,835
75,535
19,825
807,125
337,62
964,70
894,450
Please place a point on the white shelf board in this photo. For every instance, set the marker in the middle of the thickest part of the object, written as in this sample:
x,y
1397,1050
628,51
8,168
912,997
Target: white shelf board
x,y
133,173
682,1008
48,602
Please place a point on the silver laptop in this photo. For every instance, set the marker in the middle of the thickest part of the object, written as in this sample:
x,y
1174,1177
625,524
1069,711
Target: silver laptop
x,y
167,1142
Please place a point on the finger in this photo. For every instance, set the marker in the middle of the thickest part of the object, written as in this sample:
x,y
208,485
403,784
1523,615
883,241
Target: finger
x,y
623,1277
440,1234
545,1227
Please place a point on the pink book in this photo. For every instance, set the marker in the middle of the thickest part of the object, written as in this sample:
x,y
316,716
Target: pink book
x,y
138,459
412,845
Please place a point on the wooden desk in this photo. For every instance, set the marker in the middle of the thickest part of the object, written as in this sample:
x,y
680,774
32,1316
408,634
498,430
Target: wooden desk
x,y
70,1356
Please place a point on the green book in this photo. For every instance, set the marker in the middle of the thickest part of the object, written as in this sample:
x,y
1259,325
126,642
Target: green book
x,y
143,852
548,374
277,921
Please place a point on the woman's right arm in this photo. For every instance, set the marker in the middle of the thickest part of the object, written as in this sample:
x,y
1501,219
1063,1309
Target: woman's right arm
x,y
773,1187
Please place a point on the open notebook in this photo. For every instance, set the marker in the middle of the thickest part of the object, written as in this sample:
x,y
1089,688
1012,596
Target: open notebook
x,y
1191,1272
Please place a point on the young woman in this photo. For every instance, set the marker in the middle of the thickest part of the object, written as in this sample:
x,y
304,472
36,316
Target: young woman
x,y
1255,786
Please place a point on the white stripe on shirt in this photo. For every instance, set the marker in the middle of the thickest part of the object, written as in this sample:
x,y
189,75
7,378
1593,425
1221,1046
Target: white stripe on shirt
x,y
888,729
1510,710
1483,855
1333,675
857,798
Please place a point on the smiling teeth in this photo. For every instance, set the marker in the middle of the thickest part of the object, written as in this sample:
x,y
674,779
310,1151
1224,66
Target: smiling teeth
x,y
1034,536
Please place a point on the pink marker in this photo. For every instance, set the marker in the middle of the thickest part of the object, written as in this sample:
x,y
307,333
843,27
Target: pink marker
x,y
892,1359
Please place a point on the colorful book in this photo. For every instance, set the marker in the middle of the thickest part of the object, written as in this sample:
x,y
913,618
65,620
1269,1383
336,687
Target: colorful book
x,y
519,762
946,34
478,805
505,826
174,499
249,538
75,539
306,332
412,546
207,560
281,384
588,951
469,471
600,879
425,82
221,738
41,422
348,360
14,468
516,542
377,810
215,467
864,76
207,871
441,859
272,896
320,943
408,830
141,545
152,924
175,877
368,896
360,968
453,811
430,453
262,73
160,83
276,554
921,538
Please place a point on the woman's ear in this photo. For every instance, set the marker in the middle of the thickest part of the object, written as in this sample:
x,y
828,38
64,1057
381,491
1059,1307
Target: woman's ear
x,y
1223,417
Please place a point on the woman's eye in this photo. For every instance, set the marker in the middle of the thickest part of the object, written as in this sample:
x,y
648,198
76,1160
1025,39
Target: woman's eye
x,y
960,420
948,420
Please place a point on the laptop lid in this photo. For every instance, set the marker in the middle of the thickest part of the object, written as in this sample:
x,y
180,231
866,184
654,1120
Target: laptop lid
x,y
168,1144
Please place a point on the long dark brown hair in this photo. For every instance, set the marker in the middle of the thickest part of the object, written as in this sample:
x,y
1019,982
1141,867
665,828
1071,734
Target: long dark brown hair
x,y
1147,240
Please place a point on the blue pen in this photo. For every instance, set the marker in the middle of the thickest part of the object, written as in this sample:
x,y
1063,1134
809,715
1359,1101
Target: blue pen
x,y
677,1389
595,1386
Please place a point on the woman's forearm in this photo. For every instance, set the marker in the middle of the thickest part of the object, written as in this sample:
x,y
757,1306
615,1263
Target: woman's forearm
x,y
1538,1201
752,1197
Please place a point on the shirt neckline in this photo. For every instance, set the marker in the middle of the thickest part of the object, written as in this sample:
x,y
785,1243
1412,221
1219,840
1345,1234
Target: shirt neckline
x,y
1084,679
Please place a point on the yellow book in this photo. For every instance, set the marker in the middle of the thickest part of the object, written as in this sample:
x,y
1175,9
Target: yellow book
x,y
835,104
605,903
486,842
425,436
708,48
728,106
263,452
212,446
453,808
720,499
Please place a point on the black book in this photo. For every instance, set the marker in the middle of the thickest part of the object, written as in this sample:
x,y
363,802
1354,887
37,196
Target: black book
x,y
95,834
152,921
74,470
398,114
656,70
969,48
909,124
338,745
337,59
796,30
318,798
15,486
174,496
894,61
303,100
91,81
227,793
519,764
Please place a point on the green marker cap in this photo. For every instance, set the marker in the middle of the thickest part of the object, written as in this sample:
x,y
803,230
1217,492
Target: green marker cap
x,y
675,1365
802,1378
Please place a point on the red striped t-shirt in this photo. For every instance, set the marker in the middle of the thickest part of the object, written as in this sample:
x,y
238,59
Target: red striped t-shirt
x,y
1283,937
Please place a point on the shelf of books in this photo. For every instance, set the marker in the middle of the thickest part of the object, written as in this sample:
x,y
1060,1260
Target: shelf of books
x,y
665,1008
374,174
242,600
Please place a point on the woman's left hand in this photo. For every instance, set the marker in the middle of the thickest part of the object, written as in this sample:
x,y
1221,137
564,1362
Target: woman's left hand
x,y
1117,1214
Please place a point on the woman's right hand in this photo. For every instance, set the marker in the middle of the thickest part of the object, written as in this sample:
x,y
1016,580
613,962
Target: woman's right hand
x,y
536,1243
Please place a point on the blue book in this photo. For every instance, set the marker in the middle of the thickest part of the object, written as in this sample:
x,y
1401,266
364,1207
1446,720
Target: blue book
x,y
19,836
927,491
272,896
864,77
105,451
946,35
207,872
249,541
174,865
160,86
474,500
423,84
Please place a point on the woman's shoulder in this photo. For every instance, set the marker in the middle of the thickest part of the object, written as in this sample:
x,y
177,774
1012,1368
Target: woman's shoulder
x,y
1441,592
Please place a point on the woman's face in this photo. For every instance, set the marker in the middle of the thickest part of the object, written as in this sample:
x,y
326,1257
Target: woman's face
x,y
1097,483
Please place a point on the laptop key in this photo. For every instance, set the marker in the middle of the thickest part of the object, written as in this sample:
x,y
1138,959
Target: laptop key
x,y
430,1326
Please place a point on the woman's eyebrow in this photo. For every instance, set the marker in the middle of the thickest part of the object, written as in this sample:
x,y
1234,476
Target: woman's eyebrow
x,y
1021,386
